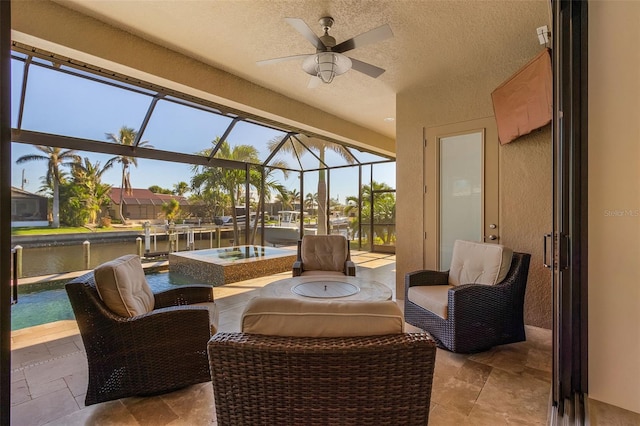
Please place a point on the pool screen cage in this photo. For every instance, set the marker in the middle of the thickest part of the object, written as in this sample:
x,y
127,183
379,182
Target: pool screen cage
x,y
38,82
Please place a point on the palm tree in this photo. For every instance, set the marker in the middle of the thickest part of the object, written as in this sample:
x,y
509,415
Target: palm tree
x,y
284,197
231,180
55,157
383,208
88,176
270,184
125,136
319,147
310,201
180,188
295,196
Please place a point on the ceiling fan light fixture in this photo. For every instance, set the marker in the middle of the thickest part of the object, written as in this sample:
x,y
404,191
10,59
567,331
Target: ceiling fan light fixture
x,y
326,65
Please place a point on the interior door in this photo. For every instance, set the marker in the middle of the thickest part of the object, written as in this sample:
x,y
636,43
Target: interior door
x,y
461,187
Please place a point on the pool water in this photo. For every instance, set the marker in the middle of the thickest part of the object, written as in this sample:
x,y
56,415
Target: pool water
x,y
48,302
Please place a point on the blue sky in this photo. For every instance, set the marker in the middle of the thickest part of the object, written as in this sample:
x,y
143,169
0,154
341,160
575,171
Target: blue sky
x,y
67,105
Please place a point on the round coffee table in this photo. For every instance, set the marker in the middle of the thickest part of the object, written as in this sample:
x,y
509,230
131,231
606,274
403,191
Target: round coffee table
x,y
327,287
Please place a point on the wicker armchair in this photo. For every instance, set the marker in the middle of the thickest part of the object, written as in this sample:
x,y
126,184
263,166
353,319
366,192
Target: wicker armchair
x,y
277,380
476,316
162,350
299,362
324,255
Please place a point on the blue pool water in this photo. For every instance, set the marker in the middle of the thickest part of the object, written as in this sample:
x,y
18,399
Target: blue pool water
x,y
48,302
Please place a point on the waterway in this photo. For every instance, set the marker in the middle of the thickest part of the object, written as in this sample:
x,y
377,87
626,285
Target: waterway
x,y
41,261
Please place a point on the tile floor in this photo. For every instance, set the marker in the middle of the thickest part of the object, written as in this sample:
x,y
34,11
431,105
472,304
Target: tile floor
x,y
509,384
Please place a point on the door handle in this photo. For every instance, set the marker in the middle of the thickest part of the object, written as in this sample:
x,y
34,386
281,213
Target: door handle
x,y
545,263
492,237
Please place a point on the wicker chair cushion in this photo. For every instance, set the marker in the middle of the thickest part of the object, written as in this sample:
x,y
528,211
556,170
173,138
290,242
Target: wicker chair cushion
x,y
301,318
324,252
213,314
479,263
434,298
123,288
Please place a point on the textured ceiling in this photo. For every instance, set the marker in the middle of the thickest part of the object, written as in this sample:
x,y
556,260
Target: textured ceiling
x,y
433,41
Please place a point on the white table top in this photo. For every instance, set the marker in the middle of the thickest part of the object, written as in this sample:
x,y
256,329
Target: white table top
x,y
337,288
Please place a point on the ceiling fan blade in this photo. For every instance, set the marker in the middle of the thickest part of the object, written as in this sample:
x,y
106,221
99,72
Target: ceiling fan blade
x,y
365,68
283,59
306,32
375,35
314,82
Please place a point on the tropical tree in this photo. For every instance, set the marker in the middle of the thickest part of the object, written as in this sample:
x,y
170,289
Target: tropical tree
x,y
55,158
384,210
284,198
206,188
171,209
91,192
157,189
231,180
125,136
270,184
310,201
319,148
180,188
295,196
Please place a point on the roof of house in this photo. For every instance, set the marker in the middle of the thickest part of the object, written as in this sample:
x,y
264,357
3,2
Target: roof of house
x,y
141,196
21,193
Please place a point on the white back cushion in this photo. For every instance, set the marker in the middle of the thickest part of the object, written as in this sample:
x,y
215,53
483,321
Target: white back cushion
x,y
302,318
123,288
479,263
324,252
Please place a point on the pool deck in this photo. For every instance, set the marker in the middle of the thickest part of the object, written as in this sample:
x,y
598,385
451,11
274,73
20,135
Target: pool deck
x,y
49,373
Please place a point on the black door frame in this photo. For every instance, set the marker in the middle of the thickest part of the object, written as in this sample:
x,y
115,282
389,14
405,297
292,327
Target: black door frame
x,y
569,236
5,212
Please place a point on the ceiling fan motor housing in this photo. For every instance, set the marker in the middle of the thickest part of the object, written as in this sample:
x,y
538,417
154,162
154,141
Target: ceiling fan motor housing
x,y
329,42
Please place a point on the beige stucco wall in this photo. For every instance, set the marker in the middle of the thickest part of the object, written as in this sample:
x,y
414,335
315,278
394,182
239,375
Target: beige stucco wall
x,y
614,203
525,175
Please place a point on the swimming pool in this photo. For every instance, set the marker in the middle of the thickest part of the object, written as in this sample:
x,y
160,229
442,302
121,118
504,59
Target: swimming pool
x,y
228,265
48,302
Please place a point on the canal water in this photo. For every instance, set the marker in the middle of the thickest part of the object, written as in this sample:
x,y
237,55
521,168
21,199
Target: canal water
x,y
59,259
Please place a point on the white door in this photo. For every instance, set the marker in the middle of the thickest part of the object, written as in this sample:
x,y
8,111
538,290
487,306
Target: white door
x,y
461,188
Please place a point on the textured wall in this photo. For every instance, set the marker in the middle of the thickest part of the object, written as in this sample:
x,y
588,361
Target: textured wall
x,y
525,185
525,174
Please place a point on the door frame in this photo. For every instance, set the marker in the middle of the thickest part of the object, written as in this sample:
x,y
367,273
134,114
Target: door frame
x,y
490,181
569,236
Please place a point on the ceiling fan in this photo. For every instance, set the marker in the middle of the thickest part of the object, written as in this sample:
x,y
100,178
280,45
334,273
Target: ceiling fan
x,y
329,61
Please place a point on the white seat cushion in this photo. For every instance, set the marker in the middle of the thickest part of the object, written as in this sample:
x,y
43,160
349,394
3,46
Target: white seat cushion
x,y
434,298
324,252
479,263
301,318
123,287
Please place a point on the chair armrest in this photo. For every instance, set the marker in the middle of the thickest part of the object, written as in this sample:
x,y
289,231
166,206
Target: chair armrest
x,y
184,295
481,299
350,268
425,277
297,268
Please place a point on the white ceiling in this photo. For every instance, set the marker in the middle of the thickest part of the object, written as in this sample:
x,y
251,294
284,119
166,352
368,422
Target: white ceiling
x,y
433,41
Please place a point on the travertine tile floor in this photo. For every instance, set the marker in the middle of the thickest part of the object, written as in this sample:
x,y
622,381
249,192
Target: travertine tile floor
x,y
509,384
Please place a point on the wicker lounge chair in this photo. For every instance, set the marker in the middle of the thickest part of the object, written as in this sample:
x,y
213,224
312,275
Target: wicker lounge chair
x,y
146,354
324,255
469,317
261,379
